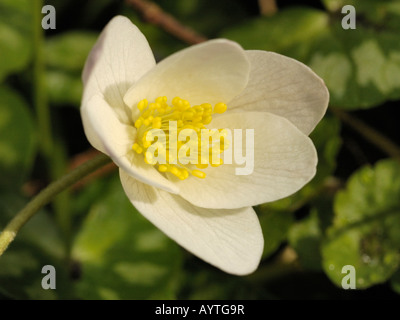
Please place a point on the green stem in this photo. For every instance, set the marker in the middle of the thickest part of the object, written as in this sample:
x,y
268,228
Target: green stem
x,y
61,203
52,152
370,134
39,84
45,196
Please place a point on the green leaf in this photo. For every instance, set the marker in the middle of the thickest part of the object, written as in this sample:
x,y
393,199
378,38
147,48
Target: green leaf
x,y
122,255
305,237
307,234
275,226
65,58
37,244
361,67
15,36
68,51
17,139
395,282
290,32
366,227
64,88
327,141
383,12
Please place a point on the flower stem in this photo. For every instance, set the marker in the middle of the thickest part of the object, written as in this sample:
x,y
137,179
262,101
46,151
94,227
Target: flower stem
x,y
52,152
45,196
39,89
370,134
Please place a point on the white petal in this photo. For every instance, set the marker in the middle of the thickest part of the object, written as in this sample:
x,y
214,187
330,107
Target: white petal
x,y
213,71
228,239
116,140
285,87
284,161
120,57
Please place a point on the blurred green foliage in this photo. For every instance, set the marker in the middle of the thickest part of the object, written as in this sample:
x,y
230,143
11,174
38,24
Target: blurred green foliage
x,y
349,214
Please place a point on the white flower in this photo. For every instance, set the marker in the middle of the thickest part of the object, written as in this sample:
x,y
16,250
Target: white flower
x,y
278,97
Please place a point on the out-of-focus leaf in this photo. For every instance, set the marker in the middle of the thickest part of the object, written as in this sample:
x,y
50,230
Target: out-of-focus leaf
x,y
64,88
360,67
305,237
395,281
68,51
366,228
65,58
15,36
275,226
327,141
17,139
36,245
290,32
122,255
383,12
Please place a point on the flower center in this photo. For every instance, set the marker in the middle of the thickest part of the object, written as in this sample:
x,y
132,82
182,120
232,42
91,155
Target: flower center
x,y
174,138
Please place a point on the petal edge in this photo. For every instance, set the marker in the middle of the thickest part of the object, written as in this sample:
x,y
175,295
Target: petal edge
x,y
231,240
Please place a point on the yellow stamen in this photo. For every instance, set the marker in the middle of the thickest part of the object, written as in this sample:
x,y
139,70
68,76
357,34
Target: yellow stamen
x,y
220,107
157,115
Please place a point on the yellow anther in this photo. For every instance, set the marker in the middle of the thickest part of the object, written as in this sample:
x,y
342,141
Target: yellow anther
x,y
185,174
197,119
142,104
175,171
207,120
198,174
137,148
146,143
206,106
139,122
154,106
157,123
188,115
199,125
220,107
224,144
176,101
202,166
161,100
188,126
148,157
157,115
146,122
207,113
221,162
199,110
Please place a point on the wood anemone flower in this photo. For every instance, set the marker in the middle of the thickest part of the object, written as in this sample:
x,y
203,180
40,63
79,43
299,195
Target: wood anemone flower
x,y
207,209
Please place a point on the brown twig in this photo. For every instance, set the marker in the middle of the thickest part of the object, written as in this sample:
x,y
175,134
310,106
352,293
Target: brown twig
x,y
33,187
268,7
369,133
83,157
153,14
